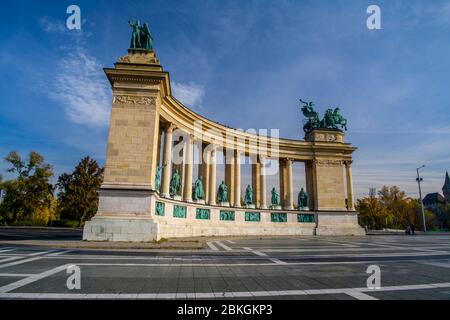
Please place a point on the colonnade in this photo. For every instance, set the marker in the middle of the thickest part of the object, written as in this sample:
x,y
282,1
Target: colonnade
x,y
207,168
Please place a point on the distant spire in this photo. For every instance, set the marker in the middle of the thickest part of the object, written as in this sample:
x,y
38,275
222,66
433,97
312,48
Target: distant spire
x,y
446,186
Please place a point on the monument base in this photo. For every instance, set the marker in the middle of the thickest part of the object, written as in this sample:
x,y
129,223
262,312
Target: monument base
x,y
120,229
143,216
339,224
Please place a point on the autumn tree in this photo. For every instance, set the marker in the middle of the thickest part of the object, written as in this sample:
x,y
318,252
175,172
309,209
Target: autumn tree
x,y
30,191
78,197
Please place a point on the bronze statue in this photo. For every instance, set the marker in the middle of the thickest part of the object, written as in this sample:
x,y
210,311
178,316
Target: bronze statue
x,y
302,201
332,118
222,194
197,190
175,184
248,195
141,37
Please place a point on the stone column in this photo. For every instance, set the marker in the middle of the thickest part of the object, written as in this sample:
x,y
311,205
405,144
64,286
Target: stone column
x,y
168,130
262,198
289,187
189,147
282,169
203,170
230,173
350,197
256,173
310,184
237,183
158,157
212,176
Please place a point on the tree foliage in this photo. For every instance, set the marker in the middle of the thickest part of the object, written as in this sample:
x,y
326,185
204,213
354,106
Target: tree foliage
x,y
30,191
78,197
391,209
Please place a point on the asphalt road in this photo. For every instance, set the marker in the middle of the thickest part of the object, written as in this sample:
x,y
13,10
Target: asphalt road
x,y
412,267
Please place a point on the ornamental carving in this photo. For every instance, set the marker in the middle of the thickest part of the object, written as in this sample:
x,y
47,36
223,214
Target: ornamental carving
x,y
133,100
328,163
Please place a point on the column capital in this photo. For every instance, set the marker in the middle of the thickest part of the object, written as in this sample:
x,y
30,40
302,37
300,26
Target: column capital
x,y
169,127
348,163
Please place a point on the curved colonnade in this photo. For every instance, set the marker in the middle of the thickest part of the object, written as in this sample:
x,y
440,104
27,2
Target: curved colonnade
x,y
144,141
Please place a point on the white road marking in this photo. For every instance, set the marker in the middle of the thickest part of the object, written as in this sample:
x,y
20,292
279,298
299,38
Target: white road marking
x,y
223,246
258,253
18,275
60,253
6,250
229,241
357,293
212,246
261,254
31,279
438,264
19,262
34,255
10,259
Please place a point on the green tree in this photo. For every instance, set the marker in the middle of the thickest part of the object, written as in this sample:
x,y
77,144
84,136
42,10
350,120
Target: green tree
x,y
391,209
30,191
78,197
372,212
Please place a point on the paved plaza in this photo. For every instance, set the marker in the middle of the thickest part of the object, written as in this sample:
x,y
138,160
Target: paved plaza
x,y
412,267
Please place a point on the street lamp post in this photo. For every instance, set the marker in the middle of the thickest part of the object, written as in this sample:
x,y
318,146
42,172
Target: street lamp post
x,y
419,179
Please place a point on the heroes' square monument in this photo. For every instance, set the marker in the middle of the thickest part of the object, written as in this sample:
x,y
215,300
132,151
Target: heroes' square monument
x,y
146,195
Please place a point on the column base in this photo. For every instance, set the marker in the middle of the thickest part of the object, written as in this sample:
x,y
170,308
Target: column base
x,y
274,207
199,201
250,206
224,204
176,198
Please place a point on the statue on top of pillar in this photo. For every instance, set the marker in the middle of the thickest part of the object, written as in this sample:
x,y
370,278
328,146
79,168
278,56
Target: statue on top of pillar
x,y
332,118
141,37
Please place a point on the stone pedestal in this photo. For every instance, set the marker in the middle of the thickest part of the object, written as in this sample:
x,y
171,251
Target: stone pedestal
x,y
176,198
199,201
224,204
250,206
274,207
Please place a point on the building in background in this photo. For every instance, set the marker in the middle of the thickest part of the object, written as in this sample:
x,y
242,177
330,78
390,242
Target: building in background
x,y
436,198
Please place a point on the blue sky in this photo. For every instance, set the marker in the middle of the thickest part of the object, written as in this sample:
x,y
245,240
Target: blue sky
x,y
242,63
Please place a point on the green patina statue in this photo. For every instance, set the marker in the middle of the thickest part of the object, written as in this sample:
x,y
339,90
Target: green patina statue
x,y
302,201
175,184
332,119
248,200
197,190
158,177
222,194
141,37
275,198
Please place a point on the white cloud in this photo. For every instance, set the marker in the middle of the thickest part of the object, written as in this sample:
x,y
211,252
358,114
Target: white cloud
x,y
52,26
81,88
190,94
